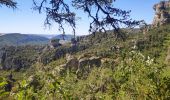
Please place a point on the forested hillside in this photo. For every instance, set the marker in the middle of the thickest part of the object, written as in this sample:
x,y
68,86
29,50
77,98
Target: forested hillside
x,y
121,58
17,39
137,68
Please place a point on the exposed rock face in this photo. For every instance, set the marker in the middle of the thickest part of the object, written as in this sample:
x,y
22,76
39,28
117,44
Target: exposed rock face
x,y
72,62
87,63
162,15
95,61
54,43
82,64
49,54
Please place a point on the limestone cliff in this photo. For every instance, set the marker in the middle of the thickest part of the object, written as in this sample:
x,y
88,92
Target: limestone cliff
x,y
162,15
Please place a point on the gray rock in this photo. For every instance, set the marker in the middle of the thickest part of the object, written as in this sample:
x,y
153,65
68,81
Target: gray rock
x,y
162,15
95,61
72,64
83,62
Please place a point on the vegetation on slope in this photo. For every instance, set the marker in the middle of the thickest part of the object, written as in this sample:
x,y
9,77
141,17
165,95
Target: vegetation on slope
x,y
19,57
16,39
137,70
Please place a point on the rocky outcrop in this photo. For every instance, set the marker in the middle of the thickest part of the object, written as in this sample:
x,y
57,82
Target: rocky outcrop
x,y
162,15
54,43
72,62
49,54
85,64
82,64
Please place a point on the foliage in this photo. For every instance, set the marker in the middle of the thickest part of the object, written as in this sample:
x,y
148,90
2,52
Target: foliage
x,y
61,12
8,3
19,57
3,92
140,78
129,73
136,77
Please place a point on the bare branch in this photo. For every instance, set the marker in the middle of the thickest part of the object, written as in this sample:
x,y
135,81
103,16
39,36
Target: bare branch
x,y
8,3
59,12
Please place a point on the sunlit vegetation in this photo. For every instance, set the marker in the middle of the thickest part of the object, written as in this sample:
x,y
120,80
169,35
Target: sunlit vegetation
x,y
138,73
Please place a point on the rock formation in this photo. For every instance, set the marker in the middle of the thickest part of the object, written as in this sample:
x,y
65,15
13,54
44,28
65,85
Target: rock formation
x,y
72,62
82,64
54,43
162,15
85,64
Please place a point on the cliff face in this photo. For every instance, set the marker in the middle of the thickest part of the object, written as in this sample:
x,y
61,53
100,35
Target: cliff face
x,y
162,15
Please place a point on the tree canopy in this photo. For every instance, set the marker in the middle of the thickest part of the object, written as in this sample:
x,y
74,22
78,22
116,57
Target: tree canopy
x,y
102,12
8,3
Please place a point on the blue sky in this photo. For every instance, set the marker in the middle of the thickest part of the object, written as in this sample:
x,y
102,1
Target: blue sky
x,y
25,20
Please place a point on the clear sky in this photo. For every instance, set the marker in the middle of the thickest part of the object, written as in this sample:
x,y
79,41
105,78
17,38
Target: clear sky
x,y
25,20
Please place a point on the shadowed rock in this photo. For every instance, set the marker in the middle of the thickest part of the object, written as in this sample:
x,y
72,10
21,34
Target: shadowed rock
x,y
95,61
162,15
72,62
85,64
81,65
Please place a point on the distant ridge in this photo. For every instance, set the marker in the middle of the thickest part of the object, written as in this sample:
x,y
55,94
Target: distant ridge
x,y
1,34
14,39
67,37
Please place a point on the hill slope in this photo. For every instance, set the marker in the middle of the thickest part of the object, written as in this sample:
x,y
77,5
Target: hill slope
x,y
13,39
67,37
125,73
